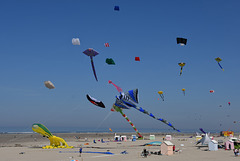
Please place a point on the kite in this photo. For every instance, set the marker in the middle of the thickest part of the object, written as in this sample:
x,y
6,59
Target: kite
x,y
116,8
201,129
118,88
130,99
75,41
181,65
181,41
110,129
229,103
118,109
218,60
161,94
110,61
137,59
55,142
211,91
106,44
92,53
49,84
183,91
95,101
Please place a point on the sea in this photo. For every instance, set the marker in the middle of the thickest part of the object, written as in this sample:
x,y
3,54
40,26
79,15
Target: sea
x,y
97,130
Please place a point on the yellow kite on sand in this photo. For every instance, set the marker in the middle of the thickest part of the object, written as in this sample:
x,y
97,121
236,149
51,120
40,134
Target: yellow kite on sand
x,y
55,142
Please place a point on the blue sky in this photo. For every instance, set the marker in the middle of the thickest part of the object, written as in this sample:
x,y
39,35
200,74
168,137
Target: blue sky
x,y
36,46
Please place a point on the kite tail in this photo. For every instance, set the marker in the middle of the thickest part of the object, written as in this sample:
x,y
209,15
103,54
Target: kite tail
x,y
118,88
162,96
160,119
220,66
94,72
130,123
184,93
181,71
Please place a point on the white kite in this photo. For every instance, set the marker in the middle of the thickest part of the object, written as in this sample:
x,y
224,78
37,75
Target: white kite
x,y
75,41
49,85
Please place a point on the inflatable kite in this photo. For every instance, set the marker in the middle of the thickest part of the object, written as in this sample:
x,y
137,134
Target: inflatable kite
x,y
181,65
161,94
92,53
218,60
229,103
118,88
75,41
95,101
130,99
55,142
181,41
49,84
110,61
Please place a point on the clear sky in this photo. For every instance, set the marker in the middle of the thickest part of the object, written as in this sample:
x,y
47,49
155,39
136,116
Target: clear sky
x,y
36,45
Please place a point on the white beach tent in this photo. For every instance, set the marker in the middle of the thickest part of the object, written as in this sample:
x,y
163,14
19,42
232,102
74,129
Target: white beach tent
x,y
205,140
213,145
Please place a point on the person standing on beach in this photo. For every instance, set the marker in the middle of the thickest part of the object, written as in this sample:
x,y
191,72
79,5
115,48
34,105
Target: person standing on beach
x,y
235,152
80,151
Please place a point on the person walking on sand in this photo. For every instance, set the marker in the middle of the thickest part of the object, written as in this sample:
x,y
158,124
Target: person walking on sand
x,y
80,151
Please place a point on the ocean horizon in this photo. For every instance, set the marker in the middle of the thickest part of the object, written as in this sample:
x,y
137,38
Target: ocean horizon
x,y
98,130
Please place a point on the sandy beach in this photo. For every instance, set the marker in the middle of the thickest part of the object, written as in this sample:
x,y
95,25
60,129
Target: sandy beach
x,y
27,147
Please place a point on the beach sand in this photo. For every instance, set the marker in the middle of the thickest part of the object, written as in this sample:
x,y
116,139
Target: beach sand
x,y
11,145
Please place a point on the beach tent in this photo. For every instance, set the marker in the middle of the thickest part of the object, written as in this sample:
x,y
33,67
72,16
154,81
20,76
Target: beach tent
x,y
213,145
168,137
167,148
152,137
233,139
205,140
134,137
117,138
124,138
229,145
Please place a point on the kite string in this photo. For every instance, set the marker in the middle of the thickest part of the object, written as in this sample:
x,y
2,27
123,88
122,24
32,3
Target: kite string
x,y
100,124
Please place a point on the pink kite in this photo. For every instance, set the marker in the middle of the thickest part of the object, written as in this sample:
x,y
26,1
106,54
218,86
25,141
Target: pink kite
x,y
118,88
